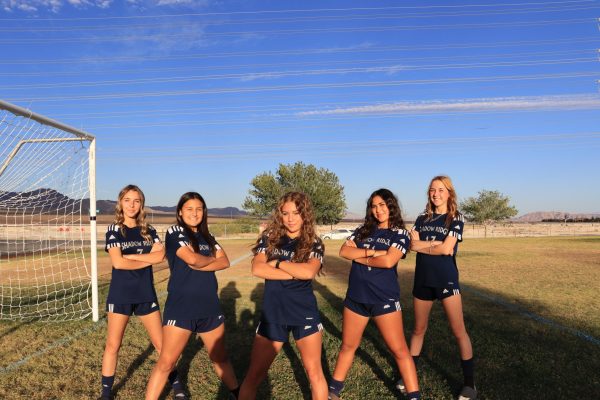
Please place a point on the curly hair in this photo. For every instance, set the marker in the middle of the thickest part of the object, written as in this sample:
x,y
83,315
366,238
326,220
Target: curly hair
x,y
452,204
140,218
275,230
395,220
202,227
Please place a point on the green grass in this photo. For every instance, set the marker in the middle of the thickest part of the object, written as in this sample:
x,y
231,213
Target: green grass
x,y
511,288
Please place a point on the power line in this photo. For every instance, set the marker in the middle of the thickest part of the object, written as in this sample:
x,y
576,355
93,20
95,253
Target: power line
x,y
157,36
370,17
257,12
282,110
238,90
304,52
296,73
360,143
591,51
345,148
336,116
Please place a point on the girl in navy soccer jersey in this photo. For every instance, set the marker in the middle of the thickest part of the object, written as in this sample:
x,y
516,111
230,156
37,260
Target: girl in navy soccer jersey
x,y
435,238
132,246
373,291
192,304
288,256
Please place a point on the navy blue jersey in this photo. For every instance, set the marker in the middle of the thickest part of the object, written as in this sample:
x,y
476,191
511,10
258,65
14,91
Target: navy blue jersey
x,y
438,271
373,285
192,293
136,285
289,302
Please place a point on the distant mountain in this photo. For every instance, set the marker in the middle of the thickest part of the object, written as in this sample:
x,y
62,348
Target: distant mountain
x,y
350,216
539,216
108,207
47,200
40,200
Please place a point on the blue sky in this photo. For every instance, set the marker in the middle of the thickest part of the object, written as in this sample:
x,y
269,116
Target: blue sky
x,y
204,95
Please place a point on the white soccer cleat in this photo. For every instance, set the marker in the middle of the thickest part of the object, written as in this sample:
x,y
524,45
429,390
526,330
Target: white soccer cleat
x,y
400,386
468,393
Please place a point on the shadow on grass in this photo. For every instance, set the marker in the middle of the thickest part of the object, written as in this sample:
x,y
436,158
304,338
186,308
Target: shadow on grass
x,y
16,328
510,345
139,360
371,334
240,336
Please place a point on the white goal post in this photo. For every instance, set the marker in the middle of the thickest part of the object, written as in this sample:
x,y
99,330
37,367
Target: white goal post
x,y
48,258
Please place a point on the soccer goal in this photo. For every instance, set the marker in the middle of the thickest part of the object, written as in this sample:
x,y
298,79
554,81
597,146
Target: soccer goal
x,y
47,219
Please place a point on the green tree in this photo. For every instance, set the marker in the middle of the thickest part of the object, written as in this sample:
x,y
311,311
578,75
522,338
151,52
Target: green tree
x,y
322,185
489,206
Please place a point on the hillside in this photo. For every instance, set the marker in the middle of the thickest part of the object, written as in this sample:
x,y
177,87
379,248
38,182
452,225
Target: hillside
x,y
538,216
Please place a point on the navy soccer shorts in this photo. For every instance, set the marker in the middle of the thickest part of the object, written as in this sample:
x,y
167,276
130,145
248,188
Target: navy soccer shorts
x,y
433,293
200,325
372,310
138,309
281,333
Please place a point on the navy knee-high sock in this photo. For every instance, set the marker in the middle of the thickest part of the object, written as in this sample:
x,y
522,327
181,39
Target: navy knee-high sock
x,y
107,384
468,367
176,383
336,387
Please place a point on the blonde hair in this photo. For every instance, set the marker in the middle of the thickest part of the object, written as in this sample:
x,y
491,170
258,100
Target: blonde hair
x,y
276,229
452,210
140,218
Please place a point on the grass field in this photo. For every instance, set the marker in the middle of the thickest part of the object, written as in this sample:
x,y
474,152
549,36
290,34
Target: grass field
x,y
531,308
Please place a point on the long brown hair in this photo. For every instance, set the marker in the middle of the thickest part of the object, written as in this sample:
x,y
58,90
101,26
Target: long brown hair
x,y
140,218
395,219
202,227
275,230
452,203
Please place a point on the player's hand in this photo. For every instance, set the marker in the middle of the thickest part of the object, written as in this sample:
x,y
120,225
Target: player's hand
x,y
350,243
414,235
272,263
191,248
157,247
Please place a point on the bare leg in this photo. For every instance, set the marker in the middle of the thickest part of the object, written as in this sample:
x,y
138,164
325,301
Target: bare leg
x,y
353,326
174,341
453,308
153,325
310,351
392,330
114,336
264,352
215,345
422,311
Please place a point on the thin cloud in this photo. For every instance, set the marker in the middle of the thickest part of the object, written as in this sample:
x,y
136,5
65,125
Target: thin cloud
x,y
186,3
55,6
32,6
570,102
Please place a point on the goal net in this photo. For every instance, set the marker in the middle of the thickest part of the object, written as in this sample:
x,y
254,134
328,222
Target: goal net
x,y
45,230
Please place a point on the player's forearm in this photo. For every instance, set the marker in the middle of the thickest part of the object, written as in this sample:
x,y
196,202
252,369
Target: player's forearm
x,y
266,271
217,265
198,261
419,245
434,248
384,261
149,258
303,271
125,264
353,253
